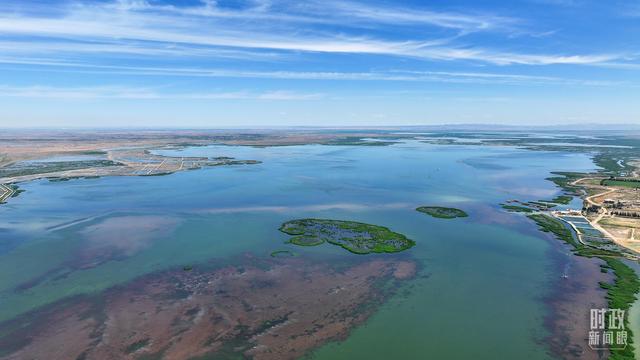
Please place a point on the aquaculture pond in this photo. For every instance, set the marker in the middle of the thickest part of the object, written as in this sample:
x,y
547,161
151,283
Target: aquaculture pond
x,y
481,279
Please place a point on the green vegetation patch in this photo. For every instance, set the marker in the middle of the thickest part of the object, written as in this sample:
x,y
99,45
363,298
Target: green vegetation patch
x,y
549,224
564,180
92,152
621,183
517,208
14,191
543,204
442,212
561,199
620,294
616,161
307,240
357,237
557,227
137,346
282,253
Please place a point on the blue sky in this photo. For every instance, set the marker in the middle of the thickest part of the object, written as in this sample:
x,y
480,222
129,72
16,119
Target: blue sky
x,y
319,62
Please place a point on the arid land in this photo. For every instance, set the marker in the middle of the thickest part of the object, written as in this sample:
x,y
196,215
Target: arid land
x,y
125,153
614,210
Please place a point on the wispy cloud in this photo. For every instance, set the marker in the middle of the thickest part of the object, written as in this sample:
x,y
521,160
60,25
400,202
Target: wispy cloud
x,y
389,75
123,92
137,27
398,16
621,65
330,12
558,2
144,30
62,48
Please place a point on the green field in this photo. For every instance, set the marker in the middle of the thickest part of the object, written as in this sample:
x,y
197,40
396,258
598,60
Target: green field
x,y
621,183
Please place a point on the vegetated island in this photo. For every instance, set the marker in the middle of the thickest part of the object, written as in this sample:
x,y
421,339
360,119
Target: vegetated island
x,y
357,237
282,253
442,212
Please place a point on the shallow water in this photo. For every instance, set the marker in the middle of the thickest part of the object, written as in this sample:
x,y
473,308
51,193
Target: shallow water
x,y
483,278
634,313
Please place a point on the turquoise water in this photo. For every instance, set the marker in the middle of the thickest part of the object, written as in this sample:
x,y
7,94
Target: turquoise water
x,y
483,278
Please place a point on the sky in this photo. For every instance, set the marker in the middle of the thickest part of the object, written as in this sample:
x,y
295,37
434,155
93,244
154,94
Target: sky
x,y
208,63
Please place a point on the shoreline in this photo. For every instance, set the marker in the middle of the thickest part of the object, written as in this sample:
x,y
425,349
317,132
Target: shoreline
x,y
619,291
567,297
614,280
569,301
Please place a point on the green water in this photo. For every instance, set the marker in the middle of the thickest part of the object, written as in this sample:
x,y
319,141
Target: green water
x,y
480,290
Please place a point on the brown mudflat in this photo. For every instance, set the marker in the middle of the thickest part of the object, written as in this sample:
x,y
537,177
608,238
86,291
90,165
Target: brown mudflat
x,y
263,309
570,304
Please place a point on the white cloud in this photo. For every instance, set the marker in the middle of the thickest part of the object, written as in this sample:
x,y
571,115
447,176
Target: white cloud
x,y
621,65
122,92
130,48
558,2
403,16
330,12
390,75
288,95
110,29
136,27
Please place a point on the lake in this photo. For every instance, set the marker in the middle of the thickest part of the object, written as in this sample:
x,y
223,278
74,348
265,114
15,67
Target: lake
x,y
482,280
